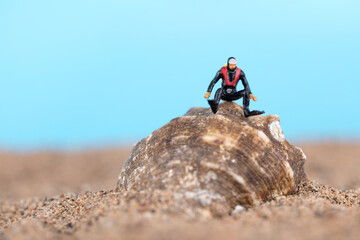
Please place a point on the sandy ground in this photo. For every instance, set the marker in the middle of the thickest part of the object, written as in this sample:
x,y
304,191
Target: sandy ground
x,y
57,195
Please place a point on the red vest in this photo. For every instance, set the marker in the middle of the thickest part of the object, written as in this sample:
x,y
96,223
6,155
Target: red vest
x,y
225,74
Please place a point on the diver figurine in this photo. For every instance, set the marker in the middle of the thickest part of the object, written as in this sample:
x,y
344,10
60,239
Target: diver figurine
x,y
230,75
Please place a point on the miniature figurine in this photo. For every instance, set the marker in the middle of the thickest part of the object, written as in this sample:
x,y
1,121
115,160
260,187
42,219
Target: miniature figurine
x,y
230,75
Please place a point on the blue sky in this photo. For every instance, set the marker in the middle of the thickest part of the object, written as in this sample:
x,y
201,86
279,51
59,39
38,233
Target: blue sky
x,y
79,73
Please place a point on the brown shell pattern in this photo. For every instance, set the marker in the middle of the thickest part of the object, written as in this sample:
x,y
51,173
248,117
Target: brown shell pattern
x,y
219,159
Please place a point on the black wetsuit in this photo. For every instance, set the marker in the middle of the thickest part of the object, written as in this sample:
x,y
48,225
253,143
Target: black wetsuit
x,y
229,93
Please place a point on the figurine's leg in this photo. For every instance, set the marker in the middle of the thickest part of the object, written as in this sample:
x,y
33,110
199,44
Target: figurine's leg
x,y
238,95
246,103
218,95
214,104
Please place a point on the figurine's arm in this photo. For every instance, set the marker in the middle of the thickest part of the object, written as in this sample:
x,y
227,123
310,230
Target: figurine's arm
x,y
218,75
246,86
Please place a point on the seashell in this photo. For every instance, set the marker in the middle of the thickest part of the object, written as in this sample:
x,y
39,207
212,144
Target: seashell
x,y
222,158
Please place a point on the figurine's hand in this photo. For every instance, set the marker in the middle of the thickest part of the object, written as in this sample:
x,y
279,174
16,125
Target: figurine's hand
x,y
207,95
253,97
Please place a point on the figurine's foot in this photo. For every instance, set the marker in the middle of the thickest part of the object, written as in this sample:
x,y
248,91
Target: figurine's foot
x,y
214,106
248,113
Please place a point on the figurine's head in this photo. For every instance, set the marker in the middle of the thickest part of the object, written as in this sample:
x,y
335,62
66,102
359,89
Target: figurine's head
x,y
231,63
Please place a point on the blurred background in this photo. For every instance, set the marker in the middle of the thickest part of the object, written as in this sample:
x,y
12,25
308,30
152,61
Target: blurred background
x,y
82,73
104,74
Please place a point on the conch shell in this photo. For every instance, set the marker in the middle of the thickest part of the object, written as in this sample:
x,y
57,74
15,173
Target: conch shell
x,y
217,160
